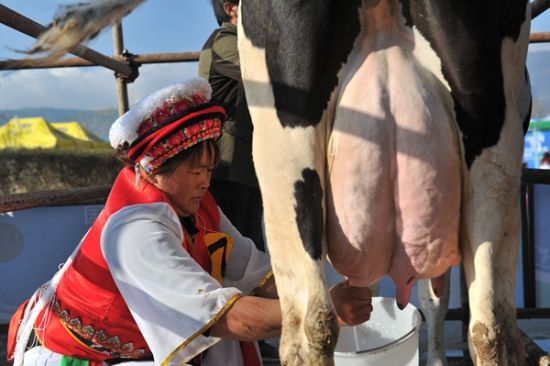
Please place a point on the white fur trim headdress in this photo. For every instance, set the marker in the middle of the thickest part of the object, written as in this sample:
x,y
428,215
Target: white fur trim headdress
x,y
167,122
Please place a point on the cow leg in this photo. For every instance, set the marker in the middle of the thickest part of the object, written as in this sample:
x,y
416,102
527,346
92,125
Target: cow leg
x,y
435,309
490,248
491,222
293,220
291,54
290,171
490,257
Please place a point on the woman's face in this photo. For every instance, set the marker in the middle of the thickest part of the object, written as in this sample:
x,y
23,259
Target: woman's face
x,y
187,184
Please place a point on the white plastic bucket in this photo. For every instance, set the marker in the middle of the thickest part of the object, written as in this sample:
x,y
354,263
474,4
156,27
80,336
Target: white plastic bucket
x,y
389,337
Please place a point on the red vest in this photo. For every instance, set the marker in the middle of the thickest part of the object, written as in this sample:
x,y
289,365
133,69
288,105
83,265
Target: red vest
x,y
90,319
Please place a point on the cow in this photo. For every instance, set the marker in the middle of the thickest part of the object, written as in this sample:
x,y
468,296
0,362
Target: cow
x,y
388,134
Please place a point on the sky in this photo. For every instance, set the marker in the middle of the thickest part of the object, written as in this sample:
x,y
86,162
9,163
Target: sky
x,y
155,26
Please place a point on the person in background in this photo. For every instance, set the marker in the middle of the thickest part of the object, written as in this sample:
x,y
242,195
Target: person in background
x,y
162,277
234,183
545,161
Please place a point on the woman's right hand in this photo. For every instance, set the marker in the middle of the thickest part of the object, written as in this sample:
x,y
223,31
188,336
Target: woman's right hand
x,y
353,305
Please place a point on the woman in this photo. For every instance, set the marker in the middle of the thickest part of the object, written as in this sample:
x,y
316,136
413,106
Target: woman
x,y
162,274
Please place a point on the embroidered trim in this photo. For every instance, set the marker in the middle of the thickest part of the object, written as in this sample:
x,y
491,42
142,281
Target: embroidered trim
x,y
181,140
208,325
96,341
169,109
264,280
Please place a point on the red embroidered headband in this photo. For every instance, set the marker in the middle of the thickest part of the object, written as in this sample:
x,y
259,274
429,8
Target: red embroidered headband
x,y
167,122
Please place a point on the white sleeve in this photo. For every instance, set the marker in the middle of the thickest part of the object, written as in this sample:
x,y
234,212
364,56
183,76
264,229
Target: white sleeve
x,y
247,266
172,299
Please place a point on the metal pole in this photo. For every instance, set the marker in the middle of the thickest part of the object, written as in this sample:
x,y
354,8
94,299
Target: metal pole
x,y
21,201
29,27
538,37
538,7
529,262
121,85
152,58
527,247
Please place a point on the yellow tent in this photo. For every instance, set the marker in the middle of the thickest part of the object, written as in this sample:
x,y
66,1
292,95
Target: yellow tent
x,y
75,130
36,132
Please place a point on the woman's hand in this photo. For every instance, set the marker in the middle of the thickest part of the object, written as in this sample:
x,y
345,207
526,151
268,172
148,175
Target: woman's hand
x,y
353,305
254,318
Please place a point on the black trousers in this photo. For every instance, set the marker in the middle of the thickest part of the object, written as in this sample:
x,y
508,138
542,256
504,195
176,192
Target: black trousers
x,y
242,205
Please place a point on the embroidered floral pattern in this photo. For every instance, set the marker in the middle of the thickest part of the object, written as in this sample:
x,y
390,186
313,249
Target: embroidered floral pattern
x,y
97,340
168,109
181,140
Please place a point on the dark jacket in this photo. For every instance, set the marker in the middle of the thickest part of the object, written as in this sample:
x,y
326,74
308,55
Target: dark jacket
x,y
219,64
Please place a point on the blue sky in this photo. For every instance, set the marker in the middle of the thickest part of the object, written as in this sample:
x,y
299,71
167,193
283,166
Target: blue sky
x,y
155,26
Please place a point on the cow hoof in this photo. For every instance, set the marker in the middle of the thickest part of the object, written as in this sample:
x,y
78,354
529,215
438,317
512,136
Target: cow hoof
x,y
296,355
494,346
321,328
291,355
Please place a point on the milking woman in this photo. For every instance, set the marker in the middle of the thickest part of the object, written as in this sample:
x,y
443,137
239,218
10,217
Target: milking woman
x,y
162,277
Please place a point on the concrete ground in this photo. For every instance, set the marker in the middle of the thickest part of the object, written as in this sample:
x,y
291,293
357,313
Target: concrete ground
x,y
537,329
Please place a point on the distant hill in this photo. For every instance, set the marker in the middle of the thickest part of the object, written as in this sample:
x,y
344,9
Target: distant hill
x,y
97,122
538,64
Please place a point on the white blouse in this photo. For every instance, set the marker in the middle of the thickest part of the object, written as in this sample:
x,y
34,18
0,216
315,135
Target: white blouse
x,y
172,299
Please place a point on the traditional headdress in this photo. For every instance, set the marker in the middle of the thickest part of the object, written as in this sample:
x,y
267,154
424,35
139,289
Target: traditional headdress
x,y
167,122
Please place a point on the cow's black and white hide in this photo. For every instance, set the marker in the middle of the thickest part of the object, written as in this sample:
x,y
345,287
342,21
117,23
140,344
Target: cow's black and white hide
x,y
387,133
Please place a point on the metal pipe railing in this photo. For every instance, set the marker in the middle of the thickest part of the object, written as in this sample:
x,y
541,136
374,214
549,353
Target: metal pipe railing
x,y
538,7
151,58
121,85
539,37
58,197
463,314
536,176
530,177
41,63
527,245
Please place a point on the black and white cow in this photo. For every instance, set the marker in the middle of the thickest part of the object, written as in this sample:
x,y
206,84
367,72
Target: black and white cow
x,y
389,133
